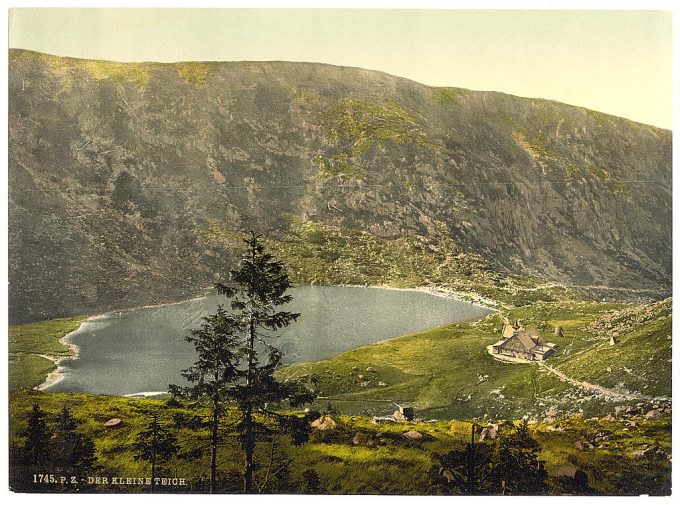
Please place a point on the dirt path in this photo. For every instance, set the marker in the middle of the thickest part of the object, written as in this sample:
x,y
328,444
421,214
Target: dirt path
x,y
615,395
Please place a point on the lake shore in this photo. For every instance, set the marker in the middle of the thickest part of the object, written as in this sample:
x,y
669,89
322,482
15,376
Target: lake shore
x,y
57,375
450,294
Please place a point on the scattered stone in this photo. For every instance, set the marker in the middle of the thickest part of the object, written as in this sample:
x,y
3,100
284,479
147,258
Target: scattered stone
x,y
490,431
649,452
572,473
583,445
447,474
382,384
324,423
413,435
361,377
363,439
653,414
557,429
113,423
365,384
371,369
404,414
383,420
355,368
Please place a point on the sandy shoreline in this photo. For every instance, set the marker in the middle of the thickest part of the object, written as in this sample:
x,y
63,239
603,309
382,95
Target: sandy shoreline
x,y
449,294
56,375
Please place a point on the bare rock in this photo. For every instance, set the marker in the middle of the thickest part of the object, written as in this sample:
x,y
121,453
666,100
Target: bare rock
x,y
413,435
363,439
490,431
653,414
113,423
572,473
324,423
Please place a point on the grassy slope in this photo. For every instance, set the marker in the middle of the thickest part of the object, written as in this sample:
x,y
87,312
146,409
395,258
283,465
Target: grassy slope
x,y
446,372
394,466
29,343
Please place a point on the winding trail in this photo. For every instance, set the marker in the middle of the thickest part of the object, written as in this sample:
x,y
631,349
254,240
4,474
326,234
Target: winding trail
x,y
616,395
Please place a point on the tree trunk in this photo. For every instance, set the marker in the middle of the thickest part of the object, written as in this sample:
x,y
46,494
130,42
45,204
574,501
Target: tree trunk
x,y
153,454
248,449
213,447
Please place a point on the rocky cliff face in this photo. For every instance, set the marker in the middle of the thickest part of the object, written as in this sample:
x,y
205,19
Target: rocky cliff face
x,y
113,167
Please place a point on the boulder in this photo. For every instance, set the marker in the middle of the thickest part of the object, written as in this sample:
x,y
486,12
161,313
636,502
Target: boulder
x,y
583,445
490,431
324,423
552,412
404,414
362,439
620,410
653,414
413,435
572,473
113,423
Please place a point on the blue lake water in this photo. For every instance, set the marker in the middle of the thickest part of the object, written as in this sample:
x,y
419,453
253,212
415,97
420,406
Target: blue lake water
x,y
144,349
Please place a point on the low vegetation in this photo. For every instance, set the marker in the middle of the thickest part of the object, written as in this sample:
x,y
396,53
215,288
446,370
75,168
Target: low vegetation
x,y
32,345
383,460
353,129
319,253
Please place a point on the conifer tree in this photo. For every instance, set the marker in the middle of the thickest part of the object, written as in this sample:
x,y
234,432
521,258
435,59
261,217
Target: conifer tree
x,y
259,287
72,451
155,444
214,374
36,449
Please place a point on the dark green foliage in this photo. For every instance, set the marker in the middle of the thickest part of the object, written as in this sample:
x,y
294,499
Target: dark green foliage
x,y
465,471
516,467
36,449
509,466
236,361
213,375
311,483
63,453
258,288
156,445
72,451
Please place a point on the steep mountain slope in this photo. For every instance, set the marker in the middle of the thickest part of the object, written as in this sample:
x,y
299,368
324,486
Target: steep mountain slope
x,y
113,169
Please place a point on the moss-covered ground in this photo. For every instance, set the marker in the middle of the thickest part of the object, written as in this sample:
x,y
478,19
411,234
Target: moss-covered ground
x,y
391,464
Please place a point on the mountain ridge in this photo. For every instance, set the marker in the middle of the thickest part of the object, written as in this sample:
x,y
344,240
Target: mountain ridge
x,y
113,167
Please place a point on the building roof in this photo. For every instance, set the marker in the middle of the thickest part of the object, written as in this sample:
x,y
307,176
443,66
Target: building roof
x,y
520,341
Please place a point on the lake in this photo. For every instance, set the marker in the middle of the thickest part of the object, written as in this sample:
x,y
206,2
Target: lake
x,y
144,350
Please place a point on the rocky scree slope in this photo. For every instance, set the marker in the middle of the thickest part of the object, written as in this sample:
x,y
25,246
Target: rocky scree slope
x,y
113,167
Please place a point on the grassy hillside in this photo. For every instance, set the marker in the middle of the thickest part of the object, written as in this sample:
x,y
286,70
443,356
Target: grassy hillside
x,y
392,464
447,371
30,345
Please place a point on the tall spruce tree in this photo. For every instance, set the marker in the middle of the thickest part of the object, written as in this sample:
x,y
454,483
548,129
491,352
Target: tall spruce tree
x,y
236,359
214,374
36,448
72,452
259,287
155,444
